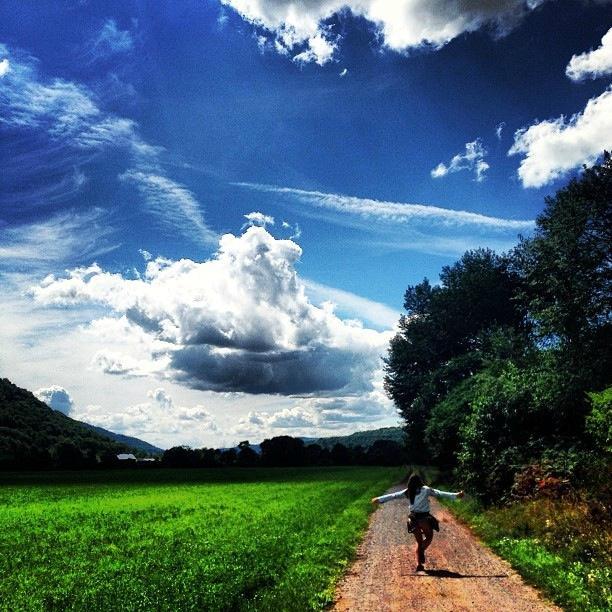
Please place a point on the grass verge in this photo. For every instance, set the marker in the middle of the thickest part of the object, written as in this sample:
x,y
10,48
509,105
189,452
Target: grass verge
x,y
553,544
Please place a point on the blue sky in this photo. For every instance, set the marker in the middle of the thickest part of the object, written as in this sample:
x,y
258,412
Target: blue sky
x,y
376,142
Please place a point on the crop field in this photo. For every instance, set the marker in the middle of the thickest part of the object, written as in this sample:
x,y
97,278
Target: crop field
x,y
250,539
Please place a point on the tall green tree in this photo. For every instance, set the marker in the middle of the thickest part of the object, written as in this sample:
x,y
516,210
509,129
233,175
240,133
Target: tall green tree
x,y
566,268
439,338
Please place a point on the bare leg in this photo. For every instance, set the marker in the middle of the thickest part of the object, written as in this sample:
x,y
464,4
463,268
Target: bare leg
x,y
419,537
427,532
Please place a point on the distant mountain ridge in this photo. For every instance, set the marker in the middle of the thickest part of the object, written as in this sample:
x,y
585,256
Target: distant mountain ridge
x,y
361,438
130,441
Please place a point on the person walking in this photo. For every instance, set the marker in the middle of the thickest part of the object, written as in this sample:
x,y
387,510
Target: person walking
x,y
420,522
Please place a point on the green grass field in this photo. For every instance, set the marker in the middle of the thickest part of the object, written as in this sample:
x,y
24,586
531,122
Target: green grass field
x,y
250,539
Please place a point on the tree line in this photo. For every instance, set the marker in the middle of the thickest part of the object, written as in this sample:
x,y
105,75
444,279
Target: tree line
x,y
285,451
505,364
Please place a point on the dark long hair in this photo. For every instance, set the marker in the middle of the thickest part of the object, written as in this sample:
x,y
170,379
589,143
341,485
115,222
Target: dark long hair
x,y
415,482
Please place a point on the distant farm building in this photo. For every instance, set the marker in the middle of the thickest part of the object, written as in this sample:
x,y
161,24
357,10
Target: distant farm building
x,y
126,457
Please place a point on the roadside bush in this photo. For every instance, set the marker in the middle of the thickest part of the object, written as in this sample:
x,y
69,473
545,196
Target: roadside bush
x,y
517,413
446,421
538,480
599,421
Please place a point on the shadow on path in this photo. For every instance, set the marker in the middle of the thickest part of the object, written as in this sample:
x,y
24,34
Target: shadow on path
x,y
448,574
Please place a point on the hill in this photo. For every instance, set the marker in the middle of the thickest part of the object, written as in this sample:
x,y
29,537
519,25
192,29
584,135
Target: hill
x,y
364,439
135,443
33,436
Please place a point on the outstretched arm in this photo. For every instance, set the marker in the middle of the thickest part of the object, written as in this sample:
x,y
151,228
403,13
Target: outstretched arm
x,y
446,494
385,498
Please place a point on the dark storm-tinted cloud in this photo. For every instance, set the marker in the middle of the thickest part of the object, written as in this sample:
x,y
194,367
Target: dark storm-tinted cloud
x,y
321,369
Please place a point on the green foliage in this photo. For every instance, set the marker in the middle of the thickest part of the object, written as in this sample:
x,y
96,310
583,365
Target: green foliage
x,y
246,457
491,369
567,272
283,451
446,421
517,414
252,539
438,340
286,451
599,421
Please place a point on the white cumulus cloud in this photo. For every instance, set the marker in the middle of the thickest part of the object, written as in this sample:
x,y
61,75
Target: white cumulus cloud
x,y
258,218
240,321
161,396
472,161
552,148
111,362
303,29
592,64
56,397
310,415
159,414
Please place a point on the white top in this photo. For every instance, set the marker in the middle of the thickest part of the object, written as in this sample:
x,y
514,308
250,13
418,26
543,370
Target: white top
x,y
421,499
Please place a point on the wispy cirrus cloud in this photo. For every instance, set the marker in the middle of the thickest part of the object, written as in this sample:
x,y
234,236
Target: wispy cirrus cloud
x,y
112,40
61,125
445,245
62,238
65,110
171,202
375,313
394,212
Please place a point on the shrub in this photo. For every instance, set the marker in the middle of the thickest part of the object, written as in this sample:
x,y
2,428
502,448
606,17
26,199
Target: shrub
x,y
599,421
446,420
517,413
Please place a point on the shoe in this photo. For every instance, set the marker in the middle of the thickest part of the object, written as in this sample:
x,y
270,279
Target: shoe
x,y
420,568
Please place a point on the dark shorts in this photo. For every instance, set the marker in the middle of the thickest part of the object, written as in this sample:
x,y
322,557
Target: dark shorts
x,y
415,518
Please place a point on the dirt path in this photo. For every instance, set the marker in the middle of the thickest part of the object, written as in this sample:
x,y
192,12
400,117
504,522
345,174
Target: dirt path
x,y
461,574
